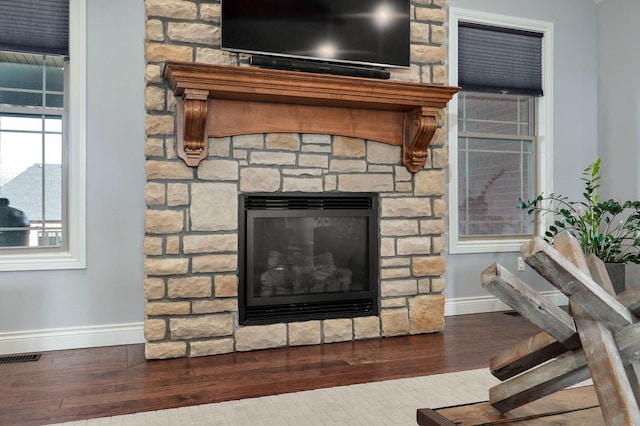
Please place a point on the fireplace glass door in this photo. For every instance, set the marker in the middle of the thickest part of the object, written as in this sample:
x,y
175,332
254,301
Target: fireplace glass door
x,y
307,256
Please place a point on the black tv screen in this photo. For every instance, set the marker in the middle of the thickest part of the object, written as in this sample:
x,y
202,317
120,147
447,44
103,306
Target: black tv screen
x,y
368,32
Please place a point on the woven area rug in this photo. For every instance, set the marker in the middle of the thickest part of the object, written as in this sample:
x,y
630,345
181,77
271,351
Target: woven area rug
x,y
391,402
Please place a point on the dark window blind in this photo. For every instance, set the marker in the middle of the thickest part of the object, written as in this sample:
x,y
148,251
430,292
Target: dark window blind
x,y
35,26
499,60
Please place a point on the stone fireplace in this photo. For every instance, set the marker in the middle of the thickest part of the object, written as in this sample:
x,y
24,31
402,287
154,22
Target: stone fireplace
x,y
193,232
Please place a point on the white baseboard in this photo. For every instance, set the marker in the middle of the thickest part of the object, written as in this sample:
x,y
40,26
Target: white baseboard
x,y
71,338
131,333
480,304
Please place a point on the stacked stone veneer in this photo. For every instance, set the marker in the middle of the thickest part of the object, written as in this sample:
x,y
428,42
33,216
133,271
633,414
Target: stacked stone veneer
x,y
191,223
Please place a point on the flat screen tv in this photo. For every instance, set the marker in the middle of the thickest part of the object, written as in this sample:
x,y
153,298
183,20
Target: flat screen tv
x,y
361,32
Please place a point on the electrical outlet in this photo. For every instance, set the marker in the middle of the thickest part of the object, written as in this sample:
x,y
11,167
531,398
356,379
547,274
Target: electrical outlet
x,y
520,263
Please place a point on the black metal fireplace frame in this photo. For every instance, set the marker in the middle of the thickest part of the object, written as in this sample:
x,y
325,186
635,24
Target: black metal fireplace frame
x,y
291,308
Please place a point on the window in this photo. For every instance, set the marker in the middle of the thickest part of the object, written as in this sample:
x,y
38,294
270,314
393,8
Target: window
x,y
42,141
31,117
495,163
499,128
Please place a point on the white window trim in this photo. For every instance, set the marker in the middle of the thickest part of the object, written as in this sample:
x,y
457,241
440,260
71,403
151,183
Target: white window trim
x,y
75,256
544,149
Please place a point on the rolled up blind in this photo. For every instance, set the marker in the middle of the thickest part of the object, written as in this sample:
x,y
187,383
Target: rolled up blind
x,y
499,60
35,26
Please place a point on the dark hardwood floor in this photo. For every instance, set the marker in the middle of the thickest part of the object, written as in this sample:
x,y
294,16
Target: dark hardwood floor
x,y
96,382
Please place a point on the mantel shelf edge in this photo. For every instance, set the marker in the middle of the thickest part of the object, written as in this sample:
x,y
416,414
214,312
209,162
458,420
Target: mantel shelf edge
x,y
222,100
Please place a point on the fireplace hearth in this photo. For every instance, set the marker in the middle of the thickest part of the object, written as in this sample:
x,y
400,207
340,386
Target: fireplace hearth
x,y
307,256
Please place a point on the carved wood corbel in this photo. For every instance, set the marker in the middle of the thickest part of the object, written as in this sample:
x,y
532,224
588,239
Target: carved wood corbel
x,y
420,125
193,114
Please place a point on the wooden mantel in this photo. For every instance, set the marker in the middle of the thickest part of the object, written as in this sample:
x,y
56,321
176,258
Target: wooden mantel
x,y
220,100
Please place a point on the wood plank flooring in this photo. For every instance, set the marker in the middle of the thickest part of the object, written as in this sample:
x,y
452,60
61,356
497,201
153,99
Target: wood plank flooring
x,y
96,382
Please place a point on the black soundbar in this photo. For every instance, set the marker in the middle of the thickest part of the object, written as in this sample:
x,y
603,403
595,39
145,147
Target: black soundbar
x,y
317,67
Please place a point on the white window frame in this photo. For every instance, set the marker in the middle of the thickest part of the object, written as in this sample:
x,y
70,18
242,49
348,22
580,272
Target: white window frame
x,y
75,256
543,150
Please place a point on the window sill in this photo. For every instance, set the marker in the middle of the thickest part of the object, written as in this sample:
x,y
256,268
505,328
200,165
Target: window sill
x,y
487,246
41,261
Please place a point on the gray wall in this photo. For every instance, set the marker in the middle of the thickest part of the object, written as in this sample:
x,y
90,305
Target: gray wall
x,y
109,291
619,104
619,97
574,117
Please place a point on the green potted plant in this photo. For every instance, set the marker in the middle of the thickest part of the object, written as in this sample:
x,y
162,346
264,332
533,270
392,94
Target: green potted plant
x,y
609,229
